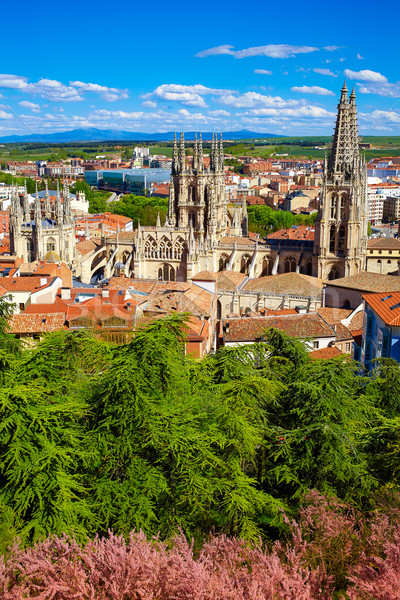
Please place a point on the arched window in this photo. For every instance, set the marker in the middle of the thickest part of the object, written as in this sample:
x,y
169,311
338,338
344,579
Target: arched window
x,y
290,264
165,248
245,264
332,239
347,304
342,236
180,249
389,262
150,248
166,273
334,274
192,219
29,248
267,266
192,193
343,201
223,261
333,206
309,268
51,245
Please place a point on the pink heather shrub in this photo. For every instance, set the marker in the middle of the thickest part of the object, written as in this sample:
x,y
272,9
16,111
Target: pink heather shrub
x,y
377,574
332,549
111,569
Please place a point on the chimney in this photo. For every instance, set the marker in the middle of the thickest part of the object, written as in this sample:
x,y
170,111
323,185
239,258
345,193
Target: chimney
x,y
65,293
105,293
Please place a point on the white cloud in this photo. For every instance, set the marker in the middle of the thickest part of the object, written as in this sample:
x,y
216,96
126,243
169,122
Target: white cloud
x,y
359,56
33,107
255,100
325,72
390,90
389,116
189,95
315,112
271,50
312,89
58,92
365,75
5,115
149,104
262,72
107,93
332,48
219,113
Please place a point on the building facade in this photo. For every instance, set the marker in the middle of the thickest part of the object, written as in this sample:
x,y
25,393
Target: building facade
x,y
341,230
45,233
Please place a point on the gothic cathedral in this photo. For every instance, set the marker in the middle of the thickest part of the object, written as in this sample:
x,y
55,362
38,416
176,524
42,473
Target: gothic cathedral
x,y
341,230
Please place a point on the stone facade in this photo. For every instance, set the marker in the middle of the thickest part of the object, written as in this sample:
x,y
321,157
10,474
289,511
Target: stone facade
x,y
44,233
341,231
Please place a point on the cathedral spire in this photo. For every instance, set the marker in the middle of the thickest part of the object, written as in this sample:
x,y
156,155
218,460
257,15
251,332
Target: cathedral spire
x,y
38,211
200,154
221,153
195,152
47,205
182,153
58,207
344,91
175,168
345,139
27,210
67,204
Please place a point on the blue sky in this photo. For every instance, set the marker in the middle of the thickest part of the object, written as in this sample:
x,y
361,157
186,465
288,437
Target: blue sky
x,y
270,67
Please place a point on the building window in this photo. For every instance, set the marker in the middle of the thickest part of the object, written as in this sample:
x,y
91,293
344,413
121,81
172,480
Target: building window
x,y
342,235
21,306
348,346
334,274
51,245
332,239
315,344
389,262
333,207
290,265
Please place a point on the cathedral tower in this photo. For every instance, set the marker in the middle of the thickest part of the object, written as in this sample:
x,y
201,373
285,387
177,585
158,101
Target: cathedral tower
x,y
197,191
341,229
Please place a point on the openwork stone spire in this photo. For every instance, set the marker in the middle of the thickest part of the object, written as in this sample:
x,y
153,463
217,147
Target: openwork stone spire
x,y
345,153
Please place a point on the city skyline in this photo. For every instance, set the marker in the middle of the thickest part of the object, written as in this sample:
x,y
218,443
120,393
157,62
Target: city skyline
x,y
184,67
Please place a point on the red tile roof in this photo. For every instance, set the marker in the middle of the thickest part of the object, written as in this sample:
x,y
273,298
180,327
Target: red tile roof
x,y
37,323
386,305
248,329
326,353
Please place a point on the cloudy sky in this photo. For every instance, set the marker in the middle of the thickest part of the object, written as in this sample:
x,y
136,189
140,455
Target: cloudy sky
x,y
159,66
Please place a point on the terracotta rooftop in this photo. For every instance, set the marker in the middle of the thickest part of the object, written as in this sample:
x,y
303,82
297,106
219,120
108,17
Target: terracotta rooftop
x,y
205,276
286,283
384,243
24,284
387,306
248,329
325,353
297,232
229,281
37,323
368,282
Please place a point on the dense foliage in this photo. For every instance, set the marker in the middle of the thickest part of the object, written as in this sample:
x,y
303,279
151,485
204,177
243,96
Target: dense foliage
x,y
141,208
264,219
141,437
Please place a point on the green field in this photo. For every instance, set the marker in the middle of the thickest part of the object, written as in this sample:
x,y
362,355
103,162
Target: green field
x,y
268,147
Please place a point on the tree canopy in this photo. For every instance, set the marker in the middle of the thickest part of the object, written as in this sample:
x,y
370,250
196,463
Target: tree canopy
x,y
96,437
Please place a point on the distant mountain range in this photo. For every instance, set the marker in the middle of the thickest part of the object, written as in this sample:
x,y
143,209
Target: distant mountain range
x,y
104,135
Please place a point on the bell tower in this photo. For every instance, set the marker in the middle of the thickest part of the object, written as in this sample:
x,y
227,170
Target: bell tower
x,y
341,229
197,191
